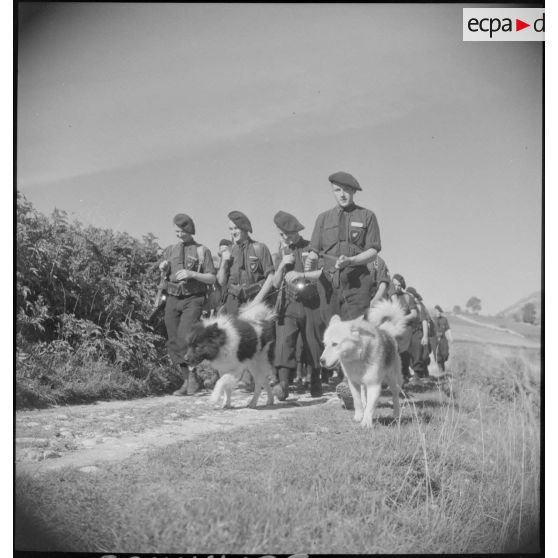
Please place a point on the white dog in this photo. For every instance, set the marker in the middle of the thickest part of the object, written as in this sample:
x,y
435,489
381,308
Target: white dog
x,y
367,351
233,344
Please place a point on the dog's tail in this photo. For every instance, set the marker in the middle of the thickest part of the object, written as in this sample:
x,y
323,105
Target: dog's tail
x,y
256,312
224,383
388,316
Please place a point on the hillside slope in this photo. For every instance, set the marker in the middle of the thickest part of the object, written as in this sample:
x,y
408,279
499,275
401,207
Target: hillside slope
x,y
517,307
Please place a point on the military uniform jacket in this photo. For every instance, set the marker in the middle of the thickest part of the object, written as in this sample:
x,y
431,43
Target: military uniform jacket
x,y
300,251
442,325
186,256
407,302
345,232
422,312
247,266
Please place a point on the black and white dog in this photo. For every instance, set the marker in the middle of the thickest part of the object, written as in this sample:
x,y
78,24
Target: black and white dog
x,y
234,344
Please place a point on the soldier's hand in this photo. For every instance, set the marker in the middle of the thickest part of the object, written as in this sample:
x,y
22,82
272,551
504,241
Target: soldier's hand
x,y
164,265
226,254
288,259
183,274
342,262
311,261
292,276
424,341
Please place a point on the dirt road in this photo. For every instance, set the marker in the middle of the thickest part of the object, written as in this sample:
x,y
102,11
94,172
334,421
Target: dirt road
x,y
82,435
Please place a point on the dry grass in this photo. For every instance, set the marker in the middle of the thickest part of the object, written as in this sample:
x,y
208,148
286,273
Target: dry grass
x,y
460,474
52,380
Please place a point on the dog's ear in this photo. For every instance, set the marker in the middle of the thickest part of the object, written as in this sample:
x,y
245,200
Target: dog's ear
x,y
335,318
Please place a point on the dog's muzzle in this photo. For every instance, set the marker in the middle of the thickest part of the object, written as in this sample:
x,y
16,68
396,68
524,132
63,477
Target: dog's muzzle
x,y
190,359
323,364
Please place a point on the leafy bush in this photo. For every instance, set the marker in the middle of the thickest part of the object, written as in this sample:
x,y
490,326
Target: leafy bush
x,y
83,296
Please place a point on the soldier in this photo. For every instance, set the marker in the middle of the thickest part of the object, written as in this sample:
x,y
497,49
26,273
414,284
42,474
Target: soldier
x,y
380,280
215,296
189,270
298,308
244,266
346,238
419,347
409,306
443,335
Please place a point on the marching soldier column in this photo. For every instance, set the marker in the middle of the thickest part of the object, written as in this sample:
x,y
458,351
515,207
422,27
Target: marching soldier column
x,y
338,272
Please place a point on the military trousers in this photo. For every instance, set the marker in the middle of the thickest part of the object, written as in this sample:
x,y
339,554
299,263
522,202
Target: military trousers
x,y
299,320
419,354
404,347
440,348
350,298
181,313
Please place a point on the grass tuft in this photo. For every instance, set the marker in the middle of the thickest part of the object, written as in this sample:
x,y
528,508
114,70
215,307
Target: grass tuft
x,y
458,476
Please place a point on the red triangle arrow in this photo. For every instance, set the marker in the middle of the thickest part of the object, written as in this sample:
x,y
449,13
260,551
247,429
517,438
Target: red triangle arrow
x,y
519,25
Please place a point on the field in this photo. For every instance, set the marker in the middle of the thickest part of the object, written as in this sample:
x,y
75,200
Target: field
x,y
488,330
459,474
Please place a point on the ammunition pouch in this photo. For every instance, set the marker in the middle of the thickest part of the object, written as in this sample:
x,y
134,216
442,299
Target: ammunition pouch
x,y
186,288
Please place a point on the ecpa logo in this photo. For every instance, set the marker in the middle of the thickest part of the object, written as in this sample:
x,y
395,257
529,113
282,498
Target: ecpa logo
x,y
503,24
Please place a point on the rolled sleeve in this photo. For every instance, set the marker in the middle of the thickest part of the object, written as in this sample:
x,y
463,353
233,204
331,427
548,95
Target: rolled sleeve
x,y
267,261
208,265
373,234
316,240
383,272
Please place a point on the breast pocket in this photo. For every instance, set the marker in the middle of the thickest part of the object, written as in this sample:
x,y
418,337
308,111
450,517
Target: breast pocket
x,y
191,263
357,233
254,264
330,235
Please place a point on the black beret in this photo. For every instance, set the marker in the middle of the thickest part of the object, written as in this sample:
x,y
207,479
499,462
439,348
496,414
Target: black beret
x,y
224,242
240,220
185,223
286,222
401,280
344,179
413,291
439,308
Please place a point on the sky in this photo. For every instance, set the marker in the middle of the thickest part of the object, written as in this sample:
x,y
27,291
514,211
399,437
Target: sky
x,y
130,113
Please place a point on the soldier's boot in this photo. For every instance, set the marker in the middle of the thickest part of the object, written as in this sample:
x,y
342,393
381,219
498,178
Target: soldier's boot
x,y
194,382
281,390
274,378
191,383
315,382
185,373
344,393
299,379
405,363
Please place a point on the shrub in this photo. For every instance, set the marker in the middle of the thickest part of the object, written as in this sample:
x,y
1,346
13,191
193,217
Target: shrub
x,y
83,297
